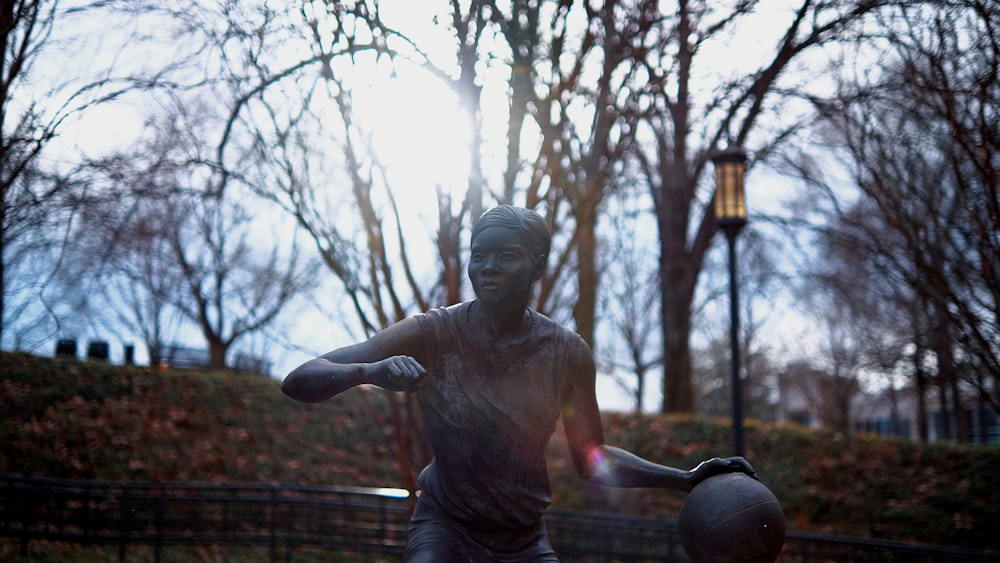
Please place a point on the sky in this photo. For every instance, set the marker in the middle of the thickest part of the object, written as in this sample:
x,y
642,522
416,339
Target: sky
x,y
420,132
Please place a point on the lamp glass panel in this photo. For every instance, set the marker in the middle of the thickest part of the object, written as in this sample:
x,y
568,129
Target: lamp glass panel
x,y
729,200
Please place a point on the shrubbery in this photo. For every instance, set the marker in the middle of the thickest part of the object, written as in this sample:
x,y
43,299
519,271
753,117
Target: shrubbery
x,y
856,485
86,420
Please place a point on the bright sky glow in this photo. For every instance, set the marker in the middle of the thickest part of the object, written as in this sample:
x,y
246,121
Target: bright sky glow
x,y
419,133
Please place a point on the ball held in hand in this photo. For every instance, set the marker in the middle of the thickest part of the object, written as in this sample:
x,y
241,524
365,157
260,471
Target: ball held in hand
x,y
732,518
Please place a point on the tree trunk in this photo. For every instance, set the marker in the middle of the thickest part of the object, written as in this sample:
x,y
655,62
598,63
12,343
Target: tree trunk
x,y
946,432
449,250
948,374
587,275
895,429
155,353
961,421
3,261
921,405
6,29
217,354
677,288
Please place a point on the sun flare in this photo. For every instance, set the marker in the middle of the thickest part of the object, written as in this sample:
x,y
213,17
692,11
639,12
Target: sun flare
x,y
421,136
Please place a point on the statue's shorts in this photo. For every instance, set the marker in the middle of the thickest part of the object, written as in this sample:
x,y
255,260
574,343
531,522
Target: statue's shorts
x,y
435,536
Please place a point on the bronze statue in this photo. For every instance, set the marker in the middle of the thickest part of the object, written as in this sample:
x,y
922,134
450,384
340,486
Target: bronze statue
x,y
492,377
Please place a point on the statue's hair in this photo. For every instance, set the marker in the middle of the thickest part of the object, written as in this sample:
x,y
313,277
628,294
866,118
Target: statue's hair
x,y
530,226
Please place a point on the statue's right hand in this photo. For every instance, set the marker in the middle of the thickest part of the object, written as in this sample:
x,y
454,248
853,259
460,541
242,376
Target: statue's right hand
x,y
398,373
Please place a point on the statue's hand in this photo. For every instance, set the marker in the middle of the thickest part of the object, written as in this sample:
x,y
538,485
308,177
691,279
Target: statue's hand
x,y
717,466
398,373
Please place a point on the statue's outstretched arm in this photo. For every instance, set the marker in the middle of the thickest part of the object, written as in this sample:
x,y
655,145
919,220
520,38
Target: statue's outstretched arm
x,y
386,359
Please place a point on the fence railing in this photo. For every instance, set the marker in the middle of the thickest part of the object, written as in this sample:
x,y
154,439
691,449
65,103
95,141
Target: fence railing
x,y
281,519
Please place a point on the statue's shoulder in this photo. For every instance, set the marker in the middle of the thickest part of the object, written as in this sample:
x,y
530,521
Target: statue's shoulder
x,y
570,336
448,314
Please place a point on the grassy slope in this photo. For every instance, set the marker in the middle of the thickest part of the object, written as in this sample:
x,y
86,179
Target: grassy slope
x,y
91,421
84,420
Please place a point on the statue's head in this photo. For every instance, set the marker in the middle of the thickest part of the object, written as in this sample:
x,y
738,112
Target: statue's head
x,y
530,226
510,246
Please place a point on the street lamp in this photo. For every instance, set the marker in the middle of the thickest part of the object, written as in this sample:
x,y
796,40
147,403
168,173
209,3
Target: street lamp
x,y
730,217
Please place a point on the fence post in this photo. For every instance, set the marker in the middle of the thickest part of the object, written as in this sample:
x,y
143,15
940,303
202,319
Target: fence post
x,y
161,506
126,524
274,523
25,520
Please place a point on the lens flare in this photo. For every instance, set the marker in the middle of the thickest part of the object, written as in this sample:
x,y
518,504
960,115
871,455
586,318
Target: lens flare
x,y
600,466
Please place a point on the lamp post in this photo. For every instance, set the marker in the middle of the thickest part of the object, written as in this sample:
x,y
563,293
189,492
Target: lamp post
x,y
730,217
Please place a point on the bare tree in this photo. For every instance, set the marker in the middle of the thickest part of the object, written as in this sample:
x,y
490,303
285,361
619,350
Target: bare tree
x,y
39,98
25,129
232,290
138,288
712,365
628,295
841,382
684,128
161,235
22,26
583,74
118,266
920,143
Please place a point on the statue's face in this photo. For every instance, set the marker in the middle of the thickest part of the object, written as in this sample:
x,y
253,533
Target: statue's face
x,y
500,268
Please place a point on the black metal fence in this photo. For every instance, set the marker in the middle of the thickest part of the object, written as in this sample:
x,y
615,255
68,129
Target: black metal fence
x,y
282,520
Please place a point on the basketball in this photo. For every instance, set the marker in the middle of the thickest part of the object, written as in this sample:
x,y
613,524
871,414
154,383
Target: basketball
x,y
732,518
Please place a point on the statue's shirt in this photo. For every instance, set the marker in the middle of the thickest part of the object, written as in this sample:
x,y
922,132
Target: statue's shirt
x,y
490,412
